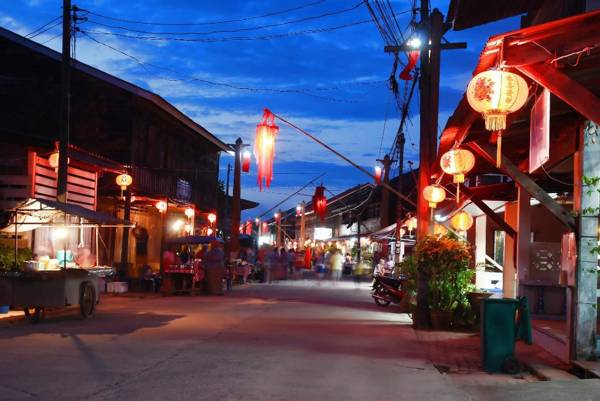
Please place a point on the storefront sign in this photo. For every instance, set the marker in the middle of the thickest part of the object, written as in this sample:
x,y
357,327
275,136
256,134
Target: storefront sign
x,y
323,233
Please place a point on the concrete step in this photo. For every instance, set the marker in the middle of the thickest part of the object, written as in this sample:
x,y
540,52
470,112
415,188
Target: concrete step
x,y
548,373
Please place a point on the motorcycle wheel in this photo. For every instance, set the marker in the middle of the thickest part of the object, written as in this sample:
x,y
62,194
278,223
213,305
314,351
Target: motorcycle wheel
x,y
380,302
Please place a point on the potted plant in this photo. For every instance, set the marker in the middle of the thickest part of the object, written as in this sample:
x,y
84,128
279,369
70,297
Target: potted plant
x,y
446,262
7,264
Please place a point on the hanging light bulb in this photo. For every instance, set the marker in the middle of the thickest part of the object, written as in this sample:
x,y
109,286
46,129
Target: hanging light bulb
x,y
189,212
211,218
457,162
161,206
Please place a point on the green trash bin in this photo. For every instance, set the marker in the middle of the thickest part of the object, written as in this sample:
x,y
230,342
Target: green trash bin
x,y
503,322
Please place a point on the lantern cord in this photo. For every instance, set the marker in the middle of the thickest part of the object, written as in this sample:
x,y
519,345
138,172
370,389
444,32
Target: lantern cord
x,y
389,187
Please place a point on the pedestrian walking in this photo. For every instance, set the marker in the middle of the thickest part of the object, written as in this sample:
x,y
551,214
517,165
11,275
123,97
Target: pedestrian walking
x,y
215,269
336,263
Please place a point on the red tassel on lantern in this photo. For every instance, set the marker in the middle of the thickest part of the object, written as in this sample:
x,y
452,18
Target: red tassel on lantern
x,y
413,57
320,202
378,173
264,148
246,162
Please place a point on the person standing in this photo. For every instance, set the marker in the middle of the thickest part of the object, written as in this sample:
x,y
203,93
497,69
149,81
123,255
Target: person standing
x,y
336,262
215,269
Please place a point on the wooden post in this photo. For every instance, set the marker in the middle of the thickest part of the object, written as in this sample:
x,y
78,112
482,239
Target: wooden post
x,y
510,246
234,243
384,210
125,239
523,234
587,202
278,226
65,105
302,226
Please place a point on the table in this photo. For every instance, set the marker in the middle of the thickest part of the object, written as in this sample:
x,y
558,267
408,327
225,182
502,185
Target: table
x,y
189,276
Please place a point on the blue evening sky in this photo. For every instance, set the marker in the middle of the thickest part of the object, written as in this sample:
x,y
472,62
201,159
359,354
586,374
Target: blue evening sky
x,y
342,70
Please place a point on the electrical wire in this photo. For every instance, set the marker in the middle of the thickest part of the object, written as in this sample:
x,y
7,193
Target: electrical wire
x,y
44,26
45,30
231,38
254,28
270,14
213,83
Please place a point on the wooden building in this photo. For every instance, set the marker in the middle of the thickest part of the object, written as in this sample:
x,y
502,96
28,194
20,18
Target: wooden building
x,y
170,157
548,215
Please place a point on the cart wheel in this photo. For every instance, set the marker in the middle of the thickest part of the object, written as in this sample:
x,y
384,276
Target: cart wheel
x,y
87,300
35,314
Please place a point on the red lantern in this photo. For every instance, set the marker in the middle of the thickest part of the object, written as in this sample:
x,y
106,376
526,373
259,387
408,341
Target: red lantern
x,y
378,173
265,227
264,148
413,57
248,227
320,202
246,162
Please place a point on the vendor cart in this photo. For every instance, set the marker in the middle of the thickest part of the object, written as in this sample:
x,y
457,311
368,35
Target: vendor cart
x,y
37,291
56,278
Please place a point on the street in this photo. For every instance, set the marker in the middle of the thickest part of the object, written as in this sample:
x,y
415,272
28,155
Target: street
x,y
288,341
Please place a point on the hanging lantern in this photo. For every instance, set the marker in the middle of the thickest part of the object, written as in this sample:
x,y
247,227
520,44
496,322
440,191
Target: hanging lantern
x,y
189,212
320,202
264,148
161,206
248,227
53,160
124,180
211,218
495,94
461,221
434,194
411,224
378,174
439,229
457,162
299,210
265,227
246,157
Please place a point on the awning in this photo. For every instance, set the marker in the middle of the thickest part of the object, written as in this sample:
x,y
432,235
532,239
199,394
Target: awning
x,y
385,233
34,213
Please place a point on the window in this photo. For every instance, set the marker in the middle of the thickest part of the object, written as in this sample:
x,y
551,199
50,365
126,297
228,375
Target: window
x,y
499,247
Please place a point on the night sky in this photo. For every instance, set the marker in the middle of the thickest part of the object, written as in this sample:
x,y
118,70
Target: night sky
x,y
340,75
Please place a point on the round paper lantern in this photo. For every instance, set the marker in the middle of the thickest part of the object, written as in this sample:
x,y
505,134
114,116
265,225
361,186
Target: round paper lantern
x,y
461,221
124,180
246,162
53,160
320,202
457,162
161,206
299,210
439,229
495,94
189,212
211,218
411,223
434,194
264,148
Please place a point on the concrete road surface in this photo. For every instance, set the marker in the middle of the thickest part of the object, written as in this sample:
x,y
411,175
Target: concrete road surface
x,y
293,341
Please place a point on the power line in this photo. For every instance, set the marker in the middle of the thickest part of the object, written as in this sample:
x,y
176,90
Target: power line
x,y
254,28
231,38
44,26
270,14
45,30
213,83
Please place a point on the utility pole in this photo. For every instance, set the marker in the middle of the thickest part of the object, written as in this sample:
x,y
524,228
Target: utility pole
x,y
226,208
384,212
431,28
234,243
399,185
65,105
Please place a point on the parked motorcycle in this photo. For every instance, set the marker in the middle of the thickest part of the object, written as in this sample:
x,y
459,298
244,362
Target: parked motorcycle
x,y
386,290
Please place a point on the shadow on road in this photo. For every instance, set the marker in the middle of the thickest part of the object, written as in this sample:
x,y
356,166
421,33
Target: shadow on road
x,y
114,323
